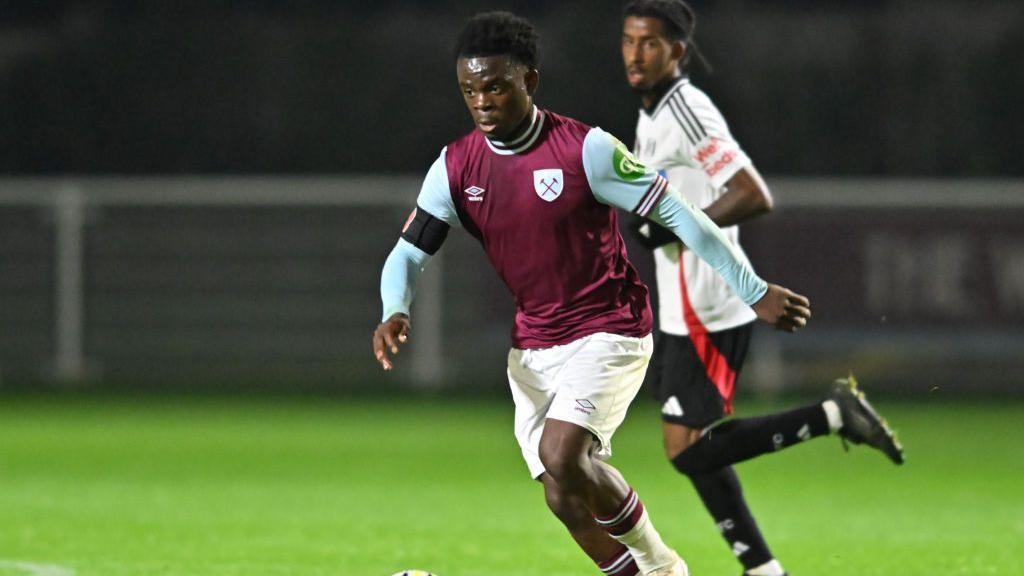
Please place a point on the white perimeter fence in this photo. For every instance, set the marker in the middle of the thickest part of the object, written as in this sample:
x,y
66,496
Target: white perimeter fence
x,y
196,279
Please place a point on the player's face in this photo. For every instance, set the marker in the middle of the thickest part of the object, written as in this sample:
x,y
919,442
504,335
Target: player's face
x,y
650,56
498,92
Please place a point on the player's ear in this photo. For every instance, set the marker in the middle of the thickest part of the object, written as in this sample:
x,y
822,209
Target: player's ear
x,y
678,50
532,81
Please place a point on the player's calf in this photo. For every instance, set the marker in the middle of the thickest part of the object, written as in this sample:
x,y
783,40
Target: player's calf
x,y
845,412
611,557
740,439
566,451
631,525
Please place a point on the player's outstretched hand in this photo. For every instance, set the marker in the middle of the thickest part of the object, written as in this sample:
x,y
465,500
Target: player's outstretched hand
x,y
388,336
783,308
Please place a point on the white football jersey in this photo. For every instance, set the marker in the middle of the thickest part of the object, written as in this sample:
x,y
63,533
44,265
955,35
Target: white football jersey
x,y
686,138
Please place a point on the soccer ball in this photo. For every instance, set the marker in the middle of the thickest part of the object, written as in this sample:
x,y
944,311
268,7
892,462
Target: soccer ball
x,y
413,573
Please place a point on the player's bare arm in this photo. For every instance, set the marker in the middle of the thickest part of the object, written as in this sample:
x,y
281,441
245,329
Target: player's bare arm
x,y
388,336
746,196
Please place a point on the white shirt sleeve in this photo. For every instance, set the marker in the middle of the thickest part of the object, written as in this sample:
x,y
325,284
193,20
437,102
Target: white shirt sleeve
x,y
708,145
435,196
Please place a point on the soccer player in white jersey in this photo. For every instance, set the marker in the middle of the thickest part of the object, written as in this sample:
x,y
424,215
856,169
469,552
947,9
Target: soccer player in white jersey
x,y
705,329
539,192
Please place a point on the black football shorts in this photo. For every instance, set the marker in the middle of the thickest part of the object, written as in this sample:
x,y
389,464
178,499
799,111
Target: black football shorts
x,y
694,377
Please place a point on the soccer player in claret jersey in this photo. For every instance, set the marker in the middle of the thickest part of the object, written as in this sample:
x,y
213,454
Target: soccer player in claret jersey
x,y
539,191
705,325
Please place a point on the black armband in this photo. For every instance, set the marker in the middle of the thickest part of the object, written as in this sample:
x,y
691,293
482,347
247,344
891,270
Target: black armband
x,y
425,232
651,235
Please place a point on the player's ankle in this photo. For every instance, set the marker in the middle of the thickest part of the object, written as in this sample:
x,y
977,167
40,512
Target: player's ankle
x,y
770,568
834,416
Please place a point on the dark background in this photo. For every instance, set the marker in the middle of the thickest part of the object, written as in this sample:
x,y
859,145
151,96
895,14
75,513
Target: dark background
x,y
200,195
831,88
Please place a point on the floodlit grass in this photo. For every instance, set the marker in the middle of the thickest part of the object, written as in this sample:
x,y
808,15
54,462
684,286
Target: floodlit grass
x,y
197,487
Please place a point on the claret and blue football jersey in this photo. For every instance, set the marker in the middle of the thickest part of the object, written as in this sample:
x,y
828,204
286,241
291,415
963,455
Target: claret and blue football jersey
x,y
542,207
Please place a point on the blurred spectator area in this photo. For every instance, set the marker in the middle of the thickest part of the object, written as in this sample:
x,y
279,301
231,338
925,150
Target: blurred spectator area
x,y
899,87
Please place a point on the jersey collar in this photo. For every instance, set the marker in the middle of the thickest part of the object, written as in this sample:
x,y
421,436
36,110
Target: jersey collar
x,y
666,92
523,141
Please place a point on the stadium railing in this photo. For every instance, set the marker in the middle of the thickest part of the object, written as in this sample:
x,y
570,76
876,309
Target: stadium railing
x,y
206,282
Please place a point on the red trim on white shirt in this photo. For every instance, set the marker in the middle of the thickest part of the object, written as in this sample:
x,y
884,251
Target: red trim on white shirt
x,y
715,365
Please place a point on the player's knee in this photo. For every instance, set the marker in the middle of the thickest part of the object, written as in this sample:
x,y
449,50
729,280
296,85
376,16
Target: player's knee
x,y
692,458
569,470
679,439
674,450
555,500
687,462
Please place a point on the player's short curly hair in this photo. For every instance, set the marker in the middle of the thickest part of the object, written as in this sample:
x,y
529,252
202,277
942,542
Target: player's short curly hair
x,y
497,34
679,21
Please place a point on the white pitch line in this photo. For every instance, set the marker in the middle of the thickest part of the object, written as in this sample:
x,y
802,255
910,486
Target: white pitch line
x,y
33,569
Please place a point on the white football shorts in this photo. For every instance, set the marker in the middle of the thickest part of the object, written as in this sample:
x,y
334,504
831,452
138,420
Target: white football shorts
x,y
589,382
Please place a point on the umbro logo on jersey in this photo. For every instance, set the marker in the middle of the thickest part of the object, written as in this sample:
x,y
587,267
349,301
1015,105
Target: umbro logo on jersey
x,y
475,194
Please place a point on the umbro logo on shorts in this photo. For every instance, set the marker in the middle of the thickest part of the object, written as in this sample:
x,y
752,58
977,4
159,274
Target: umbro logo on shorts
x,y
585,406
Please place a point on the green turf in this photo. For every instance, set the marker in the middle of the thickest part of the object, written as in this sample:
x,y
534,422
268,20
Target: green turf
x,y
365,488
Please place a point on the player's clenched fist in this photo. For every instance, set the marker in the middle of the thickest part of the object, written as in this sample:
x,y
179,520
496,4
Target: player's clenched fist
x,y
388,336
783,308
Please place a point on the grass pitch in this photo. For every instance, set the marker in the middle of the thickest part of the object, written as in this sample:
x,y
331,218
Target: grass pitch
x,y
188,487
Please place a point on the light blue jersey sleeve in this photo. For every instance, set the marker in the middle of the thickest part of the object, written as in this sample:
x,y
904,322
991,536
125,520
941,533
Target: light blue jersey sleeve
x,y
406,262
398,280
619,180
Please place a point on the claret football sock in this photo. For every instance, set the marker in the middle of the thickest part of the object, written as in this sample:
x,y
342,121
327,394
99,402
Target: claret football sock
x,y
621,564
741,439
632,527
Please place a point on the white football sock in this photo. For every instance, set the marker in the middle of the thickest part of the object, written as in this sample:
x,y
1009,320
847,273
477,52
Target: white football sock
x,y
835,419
646,546
770,568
